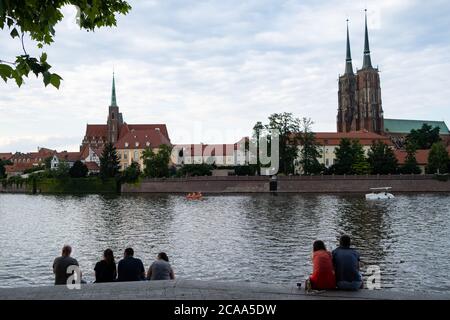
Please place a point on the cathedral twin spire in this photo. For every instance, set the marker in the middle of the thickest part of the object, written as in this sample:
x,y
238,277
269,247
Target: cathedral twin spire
x,y
367,62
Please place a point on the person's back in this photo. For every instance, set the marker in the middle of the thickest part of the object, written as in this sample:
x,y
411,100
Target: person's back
x,y
346,266
160,269
105,270
61,264
322,277
323,273
130,268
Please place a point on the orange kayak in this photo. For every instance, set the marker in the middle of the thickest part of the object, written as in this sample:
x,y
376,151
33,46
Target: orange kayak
x,y
194,197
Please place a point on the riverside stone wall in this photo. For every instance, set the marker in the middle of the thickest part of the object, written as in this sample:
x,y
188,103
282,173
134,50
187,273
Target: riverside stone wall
x,y
294,184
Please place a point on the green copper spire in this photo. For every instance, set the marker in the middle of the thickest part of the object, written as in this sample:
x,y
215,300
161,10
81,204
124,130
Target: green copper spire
x,y
348,61
367,61
113,94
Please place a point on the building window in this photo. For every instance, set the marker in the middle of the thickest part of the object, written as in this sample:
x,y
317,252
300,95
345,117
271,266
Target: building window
x,y
125,155
327,162
137,144
126,144
136,155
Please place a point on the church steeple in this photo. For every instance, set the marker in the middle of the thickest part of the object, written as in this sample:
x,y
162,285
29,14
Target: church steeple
x,y
113,93
367,60
348,60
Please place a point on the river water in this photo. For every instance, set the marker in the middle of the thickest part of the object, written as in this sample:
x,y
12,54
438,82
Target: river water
x,y
263,238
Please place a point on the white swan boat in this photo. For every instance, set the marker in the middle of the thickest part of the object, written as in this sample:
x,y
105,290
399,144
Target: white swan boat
x,y
380,194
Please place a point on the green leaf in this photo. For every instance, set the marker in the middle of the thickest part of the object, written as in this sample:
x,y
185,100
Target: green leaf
x,y
5,72
47,78
14,33
17,77
43,57
55,80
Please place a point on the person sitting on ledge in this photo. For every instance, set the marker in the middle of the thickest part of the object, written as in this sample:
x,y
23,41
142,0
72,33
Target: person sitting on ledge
x,y
61,264
322,277
105,269
346,266
161,269
130,268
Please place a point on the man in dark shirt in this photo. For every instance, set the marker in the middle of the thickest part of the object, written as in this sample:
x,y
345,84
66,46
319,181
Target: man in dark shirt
x,y
130,268
61,264
346,266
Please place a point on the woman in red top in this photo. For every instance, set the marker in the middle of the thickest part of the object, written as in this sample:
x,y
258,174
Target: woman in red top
x,y
322,277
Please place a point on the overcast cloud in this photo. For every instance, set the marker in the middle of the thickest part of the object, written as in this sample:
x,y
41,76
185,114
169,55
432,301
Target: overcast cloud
x,y
211,69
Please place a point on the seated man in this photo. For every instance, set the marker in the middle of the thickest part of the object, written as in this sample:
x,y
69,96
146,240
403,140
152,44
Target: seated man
x,y
61,264
130,268
346,266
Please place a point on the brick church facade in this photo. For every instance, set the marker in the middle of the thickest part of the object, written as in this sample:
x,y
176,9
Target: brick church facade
x,y
360,107
130,140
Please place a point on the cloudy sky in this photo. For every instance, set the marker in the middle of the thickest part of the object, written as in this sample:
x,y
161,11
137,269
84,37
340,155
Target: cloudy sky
x,y
211,69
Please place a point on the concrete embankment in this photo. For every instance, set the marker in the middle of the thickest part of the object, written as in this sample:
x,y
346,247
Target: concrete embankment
x,y
181,289
292,184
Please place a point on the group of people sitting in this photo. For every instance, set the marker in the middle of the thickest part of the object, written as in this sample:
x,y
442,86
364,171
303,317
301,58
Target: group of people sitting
x,y
128,269
336,270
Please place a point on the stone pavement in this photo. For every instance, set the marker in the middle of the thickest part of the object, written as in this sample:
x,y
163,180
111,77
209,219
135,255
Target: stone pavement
x,y
182,289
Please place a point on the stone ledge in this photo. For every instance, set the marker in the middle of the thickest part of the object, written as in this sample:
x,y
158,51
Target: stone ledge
x,y
182,289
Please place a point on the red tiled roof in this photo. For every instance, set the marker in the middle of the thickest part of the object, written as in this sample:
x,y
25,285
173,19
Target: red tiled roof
x,y
69,156
148,127
96,130
84,153
142,137
6,156
92,166
421,156
18,167
206,150
364,137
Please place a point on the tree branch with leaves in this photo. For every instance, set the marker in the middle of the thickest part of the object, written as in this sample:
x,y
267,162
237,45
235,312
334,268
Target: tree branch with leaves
x,y
37,19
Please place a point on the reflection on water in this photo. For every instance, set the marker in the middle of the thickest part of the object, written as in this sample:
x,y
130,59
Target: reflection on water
x,y
260,238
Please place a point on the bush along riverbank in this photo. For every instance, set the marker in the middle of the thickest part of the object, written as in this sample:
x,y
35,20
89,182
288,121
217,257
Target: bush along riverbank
x,y
64,185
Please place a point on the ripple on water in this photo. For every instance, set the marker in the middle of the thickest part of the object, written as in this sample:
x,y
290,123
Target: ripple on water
x,y
260,238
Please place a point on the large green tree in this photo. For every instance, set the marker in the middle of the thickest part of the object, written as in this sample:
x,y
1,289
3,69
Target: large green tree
x,y
382,159
36,20
410,166
424,137
157,163
132,173
309,152
350,158
62,170
78,170
288,127
438,159
109,162
195,170
258,130
2,170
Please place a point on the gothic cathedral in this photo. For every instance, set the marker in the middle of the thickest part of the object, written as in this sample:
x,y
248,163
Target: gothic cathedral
x,y
360,94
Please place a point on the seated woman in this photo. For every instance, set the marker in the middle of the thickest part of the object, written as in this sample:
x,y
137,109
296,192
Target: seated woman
x,y
323,277
105,270
161,269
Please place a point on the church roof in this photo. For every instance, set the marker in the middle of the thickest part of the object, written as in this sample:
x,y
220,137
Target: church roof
x,y
142,139
96,130
405,125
